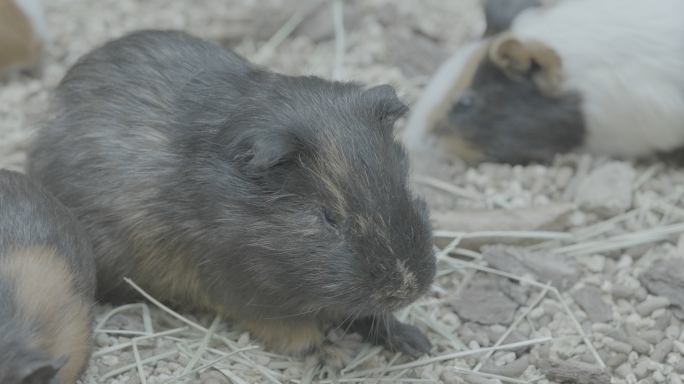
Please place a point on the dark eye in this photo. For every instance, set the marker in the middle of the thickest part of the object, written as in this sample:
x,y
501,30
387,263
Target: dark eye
x,y
327,215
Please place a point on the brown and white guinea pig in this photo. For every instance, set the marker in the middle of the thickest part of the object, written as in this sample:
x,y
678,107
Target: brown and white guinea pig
x,y
598,76
23,34
47,286
280,201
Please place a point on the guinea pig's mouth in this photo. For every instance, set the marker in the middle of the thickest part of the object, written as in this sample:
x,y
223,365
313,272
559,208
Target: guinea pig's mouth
x,y
383,304
387,305
374,305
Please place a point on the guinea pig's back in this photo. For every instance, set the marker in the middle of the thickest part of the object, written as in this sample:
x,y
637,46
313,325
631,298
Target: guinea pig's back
x,y
624,58
143,74
47,285
123,99
116,115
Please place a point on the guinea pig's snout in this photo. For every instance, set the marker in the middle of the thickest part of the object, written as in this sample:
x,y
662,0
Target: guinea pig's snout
x,y
398,286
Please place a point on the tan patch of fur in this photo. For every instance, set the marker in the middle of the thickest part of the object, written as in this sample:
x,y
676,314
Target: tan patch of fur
x,y
363,224
18,43
291,338
58,318
514,56
167,276
332,169
408,281
300,339
468,152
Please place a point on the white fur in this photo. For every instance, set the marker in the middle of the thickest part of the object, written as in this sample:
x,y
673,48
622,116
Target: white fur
x,y
436,93
626,60
33,9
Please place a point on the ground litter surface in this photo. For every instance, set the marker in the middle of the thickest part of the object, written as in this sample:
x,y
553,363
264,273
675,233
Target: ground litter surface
x,y
570,272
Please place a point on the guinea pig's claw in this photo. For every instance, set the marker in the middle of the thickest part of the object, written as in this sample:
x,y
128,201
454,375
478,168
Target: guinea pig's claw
x,y
409,340
328,355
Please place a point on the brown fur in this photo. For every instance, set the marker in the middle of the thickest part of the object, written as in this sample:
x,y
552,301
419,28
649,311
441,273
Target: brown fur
x,y
515,57
18,43
333,170
174,278
47,303
468,152
409,280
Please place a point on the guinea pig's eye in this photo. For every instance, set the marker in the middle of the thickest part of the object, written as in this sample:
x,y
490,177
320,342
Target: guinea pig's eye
x,y
466,105
466,101
327,215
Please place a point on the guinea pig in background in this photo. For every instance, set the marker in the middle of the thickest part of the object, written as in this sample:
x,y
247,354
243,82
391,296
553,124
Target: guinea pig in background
x,y
499,14
47,286
280,201
598,76
23,34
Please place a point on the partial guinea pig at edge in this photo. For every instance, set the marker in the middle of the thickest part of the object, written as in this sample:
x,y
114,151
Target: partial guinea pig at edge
x,y
597,76
23,35
47,286
282,202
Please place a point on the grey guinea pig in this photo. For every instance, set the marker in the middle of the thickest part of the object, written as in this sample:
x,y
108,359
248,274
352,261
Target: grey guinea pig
x,y
593,76
47,286
279,201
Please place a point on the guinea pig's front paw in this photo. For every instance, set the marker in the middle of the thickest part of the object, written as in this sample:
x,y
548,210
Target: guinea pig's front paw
x,y
393,334
407,339
328,355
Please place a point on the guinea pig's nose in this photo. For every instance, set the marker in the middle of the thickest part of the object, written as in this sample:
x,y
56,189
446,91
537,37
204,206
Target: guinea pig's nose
x,y
400,286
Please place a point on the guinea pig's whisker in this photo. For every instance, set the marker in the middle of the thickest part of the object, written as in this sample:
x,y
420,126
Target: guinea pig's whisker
x,y
426,302
352,315
388,326
339,326
446,290
307,312
377,321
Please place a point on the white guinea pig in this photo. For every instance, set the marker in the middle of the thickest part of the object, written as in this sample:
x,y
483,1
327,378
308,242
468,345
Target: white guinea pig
x,y
598,76
23,34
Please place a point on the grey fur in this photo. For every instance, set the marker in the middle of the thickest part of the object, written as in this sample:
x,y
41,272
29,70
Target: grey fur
x,y
30,216
273,198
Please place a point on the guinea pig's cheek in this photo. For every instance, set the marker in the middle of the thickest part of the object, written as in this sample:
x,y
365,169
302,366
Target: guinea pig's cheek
x,y
447,136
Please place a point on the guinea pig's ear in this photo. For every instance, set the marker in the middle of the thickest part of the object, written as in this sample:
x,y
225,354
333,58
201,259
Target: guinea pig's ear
x,y
269,150
41,371
517,58
384,103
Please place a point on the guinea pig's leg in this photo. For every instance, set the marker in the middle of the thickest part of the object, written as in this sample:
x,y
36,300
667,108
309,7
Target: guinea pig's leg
x,y
393,334
303,339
